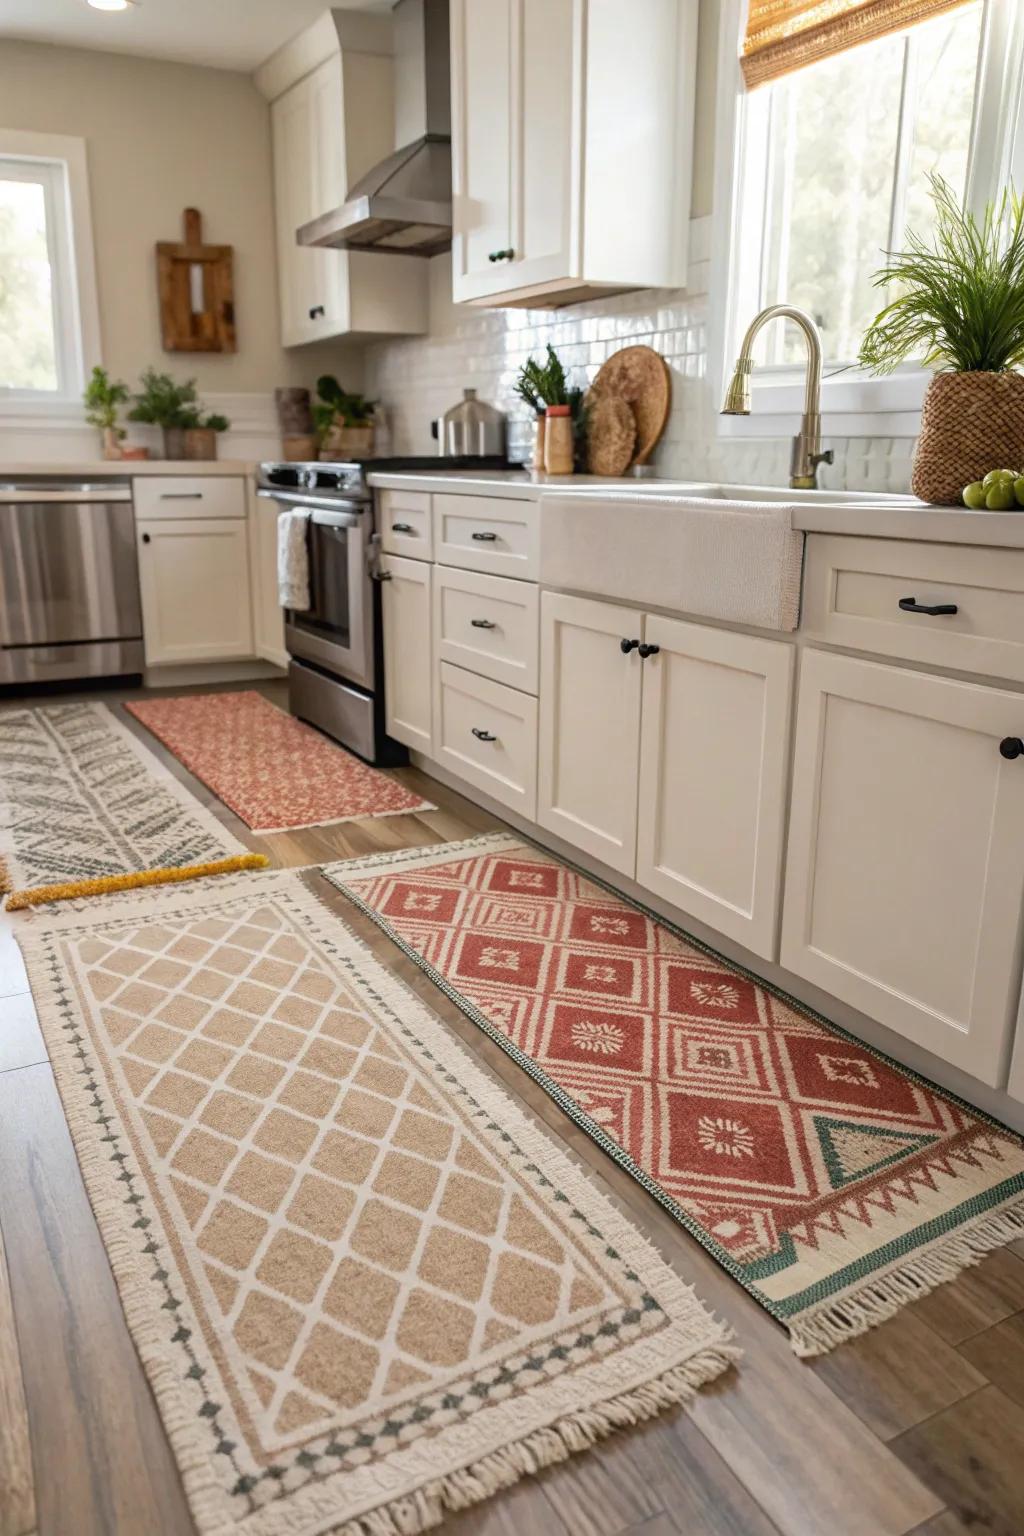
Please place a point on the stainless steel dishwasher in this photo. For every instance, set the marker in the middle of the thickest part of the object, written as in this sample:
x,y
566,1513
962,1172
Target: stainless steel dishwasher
x,y
69,581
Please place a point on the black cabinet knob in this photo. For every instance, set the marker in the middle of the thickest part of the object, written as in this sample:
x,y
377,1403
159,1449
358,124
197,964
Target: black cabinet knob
x,y
317,312
483,735
648,650
625,646
145,538
1011,747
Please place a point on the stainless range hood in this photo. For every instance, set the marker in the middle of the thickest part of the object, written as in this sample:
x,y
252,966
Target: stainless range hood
x,y
404,205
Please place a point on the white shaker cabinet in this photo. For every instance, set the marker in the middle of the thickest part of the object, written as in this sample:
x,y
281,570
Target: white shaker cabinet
x,y
331,119
408,667
713,769
588,761
571,147
905,867
194,581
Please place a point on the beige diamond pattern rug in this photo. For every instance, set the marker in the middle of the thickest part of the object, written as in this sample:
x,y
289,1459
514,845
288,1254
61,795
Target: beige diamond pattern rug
x,y
365,1287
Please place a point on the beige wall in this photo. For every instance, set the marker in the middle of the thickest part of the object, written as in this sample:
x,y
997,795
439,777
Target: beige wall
x,y
161,137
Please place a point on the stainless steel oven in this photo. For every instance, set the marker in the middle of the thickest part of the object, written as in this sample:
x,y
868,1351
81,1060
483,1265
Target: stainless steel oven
x,y
336,631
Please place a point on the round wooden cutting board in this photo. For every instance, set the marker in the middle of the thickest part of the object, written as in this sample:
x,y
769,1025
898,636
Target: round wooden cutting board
x,y
641,376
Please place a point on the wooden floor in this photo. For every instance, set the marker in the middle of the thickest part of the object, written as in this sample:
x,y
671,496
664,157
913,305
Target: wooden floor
x,y
918,1427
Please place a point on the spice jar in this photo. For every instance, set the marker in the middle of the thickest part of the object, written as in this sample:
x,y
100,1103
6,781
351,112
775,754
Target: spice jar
x,y
558,444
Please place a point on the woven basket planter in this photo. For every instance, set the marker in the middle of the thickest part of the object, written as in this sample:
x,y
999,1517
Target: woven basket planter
x,y
970,423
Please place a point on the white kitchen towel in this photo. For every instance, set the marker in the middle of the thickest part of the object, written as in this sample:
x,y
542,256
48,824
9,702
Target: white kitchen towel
x,y
293,560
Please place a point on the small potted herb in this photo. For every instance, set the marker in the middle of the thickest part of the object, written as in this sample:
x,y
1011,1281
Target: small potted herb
x,y
103,398
188,432
541,386
958,306
343,421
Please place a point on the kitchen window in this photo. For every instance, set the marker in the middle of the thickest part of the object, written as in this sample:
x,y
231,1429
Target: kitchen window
x,y
49,327
829,169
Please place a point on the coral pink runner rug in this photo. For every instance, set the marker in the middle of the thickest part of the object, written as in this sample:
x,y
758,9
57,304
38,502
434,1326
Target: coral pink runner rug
x,y
270,769
832,1183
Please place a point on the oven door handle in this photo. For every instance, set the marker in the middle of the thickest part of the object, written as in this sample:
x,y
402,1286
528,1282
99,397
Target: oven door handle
x,y
324,510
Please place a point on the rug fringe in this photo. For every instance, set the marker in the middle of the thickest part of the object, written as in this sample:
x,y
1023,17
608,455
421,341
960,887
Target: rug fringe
x,y
816,1332
429,1505
18,901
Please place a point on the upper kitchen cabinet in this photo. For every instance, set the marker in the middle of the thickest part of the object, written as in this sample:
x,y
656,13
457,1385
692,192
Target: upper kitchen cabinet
x,y
332,117
571,146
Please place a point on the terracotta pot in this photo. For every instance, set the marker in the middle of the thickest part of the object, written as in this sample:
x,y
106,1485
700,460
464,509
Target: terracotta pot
x,y
174,442
200,443
970,423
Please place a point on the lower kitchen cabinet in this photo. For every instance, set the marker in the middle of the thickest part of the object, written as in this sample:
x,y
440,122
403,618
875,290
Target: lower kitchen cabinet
x,y
487,734
588,759
194,580
268,615
713,768
408,690
905,867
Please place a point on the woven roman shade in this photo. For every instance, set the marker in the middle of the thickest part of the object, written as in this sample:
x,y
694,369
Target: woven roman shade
x,y
783,35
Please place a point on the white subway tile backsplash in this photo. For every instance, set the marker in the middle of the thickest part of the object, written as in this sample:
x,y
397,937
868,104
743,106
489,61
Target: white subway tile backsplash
x,y
419,378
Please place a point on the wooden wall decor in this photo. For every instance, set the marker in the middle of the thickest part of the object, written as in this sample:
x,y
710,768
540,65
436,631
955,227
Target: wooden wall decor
x,y
197,294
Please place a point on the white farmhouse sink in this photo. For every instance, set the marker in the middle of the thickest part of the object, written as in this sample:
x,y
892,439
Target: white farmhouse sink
x,y
713,490
677,548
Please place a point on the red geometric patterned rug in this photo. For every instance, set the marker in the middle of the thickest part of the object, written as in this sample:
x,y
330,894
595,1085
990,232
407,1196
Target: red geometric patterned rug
x,y
835,1185
270,769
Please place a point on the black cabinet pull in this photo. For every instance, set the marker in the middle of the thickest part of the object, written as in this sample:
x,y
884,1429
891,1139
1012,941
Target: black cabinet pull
x,y
911,605
484,538
483,735
317,312
381,576
1011,747
402,528
625,646
648,650
145,538
501,255
483,624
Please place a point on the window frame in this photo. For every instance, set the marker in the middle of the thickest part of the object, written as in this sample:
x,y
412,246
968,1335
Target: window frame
x,y
63,171
853,403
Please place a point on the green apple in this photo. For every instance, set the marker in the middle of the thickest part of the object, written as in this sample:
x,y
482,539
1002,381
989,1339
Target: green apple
x,y
1018,490
1000,497
994,476
974,495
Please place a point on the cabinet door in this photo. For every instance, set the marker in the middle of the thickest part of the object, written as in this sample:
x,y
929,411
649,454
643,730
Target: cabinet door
x,y
905,867
713,762
481,35
307,127
408,667
194,578
268,615
590,726
546,139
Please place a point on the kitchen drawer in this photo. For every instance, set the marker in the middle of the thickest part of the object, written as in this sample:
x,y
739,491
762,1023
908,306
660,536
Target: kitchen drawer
x,y
853,588
487,533
488,625
487,734
190,496
403,522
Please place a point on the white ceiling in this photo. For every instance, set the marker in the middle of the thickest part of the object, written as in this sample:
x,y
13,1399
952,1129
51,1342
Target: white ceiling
x,y
230,34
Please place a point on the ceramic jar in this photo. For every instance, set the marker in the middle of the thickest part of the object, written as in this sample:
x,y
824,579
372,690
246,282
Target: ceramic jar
x,y
558,443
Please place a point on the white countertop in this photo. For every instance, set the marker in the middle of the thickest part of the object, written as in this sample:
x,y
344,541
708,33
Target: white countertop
x,y
867,514
98,469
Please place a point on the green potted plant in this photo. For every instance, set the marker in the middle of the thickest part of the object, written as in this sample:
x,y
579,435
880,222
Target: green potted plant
x,y
958,305
343,421
189,432
541,385
103,398
163,403
201,439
